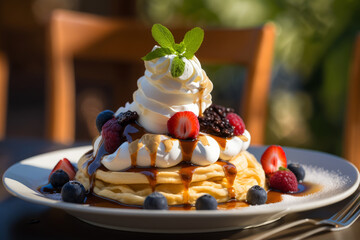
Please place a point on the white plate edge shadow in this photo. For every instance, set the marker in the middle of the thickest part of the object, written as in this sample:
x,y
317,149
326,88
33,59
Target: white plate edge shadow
x,y
34,196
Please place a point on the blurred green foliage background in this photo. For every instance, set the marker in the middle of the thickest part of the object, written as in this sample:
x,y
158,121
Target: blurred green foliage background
x,y
312,56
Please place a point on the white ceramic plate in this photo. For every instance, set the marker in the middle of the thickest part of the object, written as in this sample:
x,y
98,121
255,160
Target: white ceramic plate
x,y
23,179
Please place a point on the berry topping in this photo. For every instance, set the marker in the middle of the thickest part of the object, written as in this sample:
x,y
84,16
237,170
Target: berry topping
x,y
236,121
206,202
125,118
183,125
284,181
256,195
64,164
73,192
156,201
272,159
298,170
112,135
214,121
59,178
102,118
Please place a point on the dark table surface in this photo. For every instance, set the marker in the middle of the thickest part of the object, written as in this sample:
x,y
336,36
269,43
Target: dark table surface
x,y
23,220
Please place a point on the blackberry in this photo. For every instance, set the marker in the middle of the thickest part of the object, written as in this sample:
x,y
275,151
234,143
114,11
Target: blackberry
x,y
214,121
221,110
125,118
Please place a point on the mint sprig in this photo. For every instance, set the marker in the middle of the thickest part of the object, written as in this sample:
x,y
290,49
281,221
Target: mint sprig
x,y
159,52
192,41
163,36
186,48
177,67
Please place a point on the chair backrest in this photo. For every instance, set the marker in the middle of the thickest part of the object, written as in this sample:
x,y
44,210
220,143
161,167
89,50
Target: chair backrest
x,y
87,36
3,93
352,124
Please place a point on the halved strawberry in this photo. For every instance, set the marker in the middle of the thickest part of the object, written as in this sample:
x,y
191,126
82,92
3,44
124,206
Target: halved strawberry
x,y
65,165
184,125
273,158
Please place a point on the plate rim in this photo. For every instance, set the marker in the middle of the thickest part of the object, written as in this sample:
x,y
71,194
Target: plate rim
x,y
252,210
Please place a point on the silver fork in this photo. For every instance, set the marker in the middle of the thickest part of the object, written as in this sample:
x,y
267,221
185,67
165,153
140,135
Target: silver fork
x,y
339,221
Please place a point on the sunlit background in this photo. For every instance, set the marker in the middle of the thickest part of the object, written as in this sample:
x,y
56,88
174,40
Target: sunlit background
x,y
314,45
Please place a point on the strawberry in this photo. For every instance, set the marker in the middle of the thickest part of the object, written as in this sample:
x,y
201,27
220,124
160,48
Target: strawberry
x,y
64,164
272,159
284,181
184,125
237,122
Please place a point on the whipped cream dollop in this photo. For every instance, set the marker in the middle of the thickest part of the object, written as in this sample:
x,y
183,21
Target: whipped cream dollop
x,y
156,150
160,95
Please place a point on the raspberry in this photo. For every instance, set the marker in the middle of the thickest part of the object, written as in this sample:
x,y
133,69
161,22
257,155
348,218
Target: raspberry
x,y
284,180
112,135
236,121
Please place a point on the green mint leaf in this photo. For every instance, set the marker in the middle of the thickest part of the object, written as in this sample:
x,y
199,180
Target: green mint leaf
x,y
281,168
157,53
192,41
177,67
163,36
180,48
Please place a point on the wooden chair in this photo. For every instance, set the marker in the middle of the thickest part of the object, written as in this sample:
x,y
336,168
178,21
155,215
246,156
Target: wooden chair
x,y
3,93
352,124
83,35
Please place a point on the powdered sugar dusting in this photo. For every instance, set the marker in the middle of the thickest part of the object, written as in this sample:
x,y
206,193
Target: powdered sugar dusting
x,y
331,183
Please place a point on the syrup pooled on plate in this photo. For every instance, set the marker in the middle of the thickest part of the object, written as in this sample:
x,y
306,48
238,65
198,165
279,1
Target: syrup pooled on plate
x,y
273,196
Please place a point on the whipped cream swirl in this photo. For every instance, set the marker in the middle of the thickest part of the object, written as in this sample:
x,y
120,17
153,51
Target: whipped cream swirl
x,y
160,95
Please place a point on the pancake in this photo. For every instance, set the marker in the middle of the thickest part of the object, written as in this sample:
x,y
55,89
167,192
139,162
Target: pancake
x,y
182,184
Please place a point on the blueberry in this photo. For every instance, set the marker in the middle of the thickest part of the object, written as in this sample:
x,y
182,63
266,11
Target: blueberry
x,y
156,201
298,170
73,192
256,195
206,202
59,178
102,118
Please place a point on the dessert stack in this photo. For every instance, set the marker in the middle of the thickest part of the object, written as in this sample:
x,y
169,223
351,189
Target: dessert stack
x,y
171,142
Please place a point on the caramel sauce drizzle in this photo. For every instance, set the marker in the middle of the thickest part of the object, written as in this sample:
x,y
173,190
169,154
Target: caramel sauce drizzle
x,y
187,169
133,132
133,157
150,174
230,174
187,149
221,141
186,173
243,138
